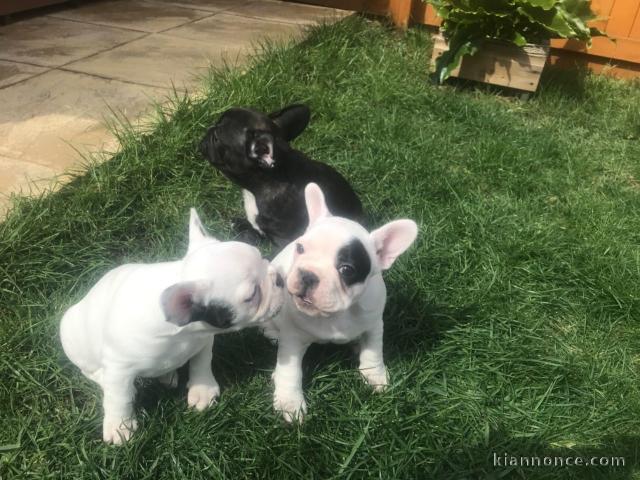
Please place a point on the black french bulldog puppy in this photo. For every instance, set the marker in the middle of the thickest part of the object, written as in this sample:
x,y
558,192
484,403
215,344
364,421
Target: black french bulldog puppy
x,y
251,149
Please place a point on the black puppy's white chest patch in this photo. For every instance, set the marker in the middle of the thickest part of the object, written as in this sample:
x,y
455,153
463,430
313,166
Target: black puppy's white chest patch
x,y
251,209
353,262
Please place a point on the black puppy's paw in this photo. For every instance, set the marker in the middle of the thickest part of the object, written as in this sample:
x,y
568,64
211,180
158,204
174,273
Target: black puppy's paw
x,y
251,237
240,224
245,232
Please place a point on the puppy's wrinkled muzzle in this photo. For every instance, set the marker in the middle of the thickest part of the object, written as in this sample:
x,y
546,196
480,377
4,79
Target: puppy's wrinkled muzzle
x,y
304,285
261,149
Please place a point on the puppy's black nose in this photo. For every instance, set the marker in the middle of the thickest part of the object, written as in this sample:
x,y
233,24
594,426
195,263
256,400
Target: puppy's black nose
x,y
261,147
260,143
279,281
308,279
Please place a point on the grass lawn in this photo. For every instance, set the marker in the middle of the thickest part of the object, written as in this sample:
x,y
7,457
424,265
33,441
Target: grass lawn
x,y
512,327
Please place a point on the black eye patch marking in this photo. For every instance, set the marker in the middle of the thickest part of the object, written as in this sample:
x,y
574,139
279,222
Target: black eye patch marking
x,y
353,263
217,315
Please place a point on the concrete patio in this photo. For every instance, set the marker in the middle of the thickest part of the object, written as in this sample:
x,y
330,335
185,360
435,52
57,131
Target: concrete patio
x,y
64,69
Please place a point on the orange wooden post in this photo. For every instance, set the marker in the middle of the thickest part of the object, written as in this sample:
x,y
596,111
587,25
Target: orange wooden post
x,y
424,13
400,11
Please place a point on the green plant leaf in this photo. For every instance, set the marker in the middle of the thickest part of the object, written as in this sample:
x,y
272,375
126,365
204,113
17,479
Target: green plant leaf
x,y
449,60
579,8
545,4
519,40
552,20
515,21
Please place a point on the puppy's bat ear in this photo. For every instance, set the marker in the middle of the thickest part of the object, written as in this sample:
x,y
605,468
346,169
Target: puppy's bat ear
x,y
392,239
182,304
316,205
177,302
197,233
292,120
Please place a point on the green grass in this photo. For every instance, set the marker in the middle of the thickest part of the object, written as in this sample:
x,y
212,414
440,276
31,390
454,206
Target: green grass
x,y
512,325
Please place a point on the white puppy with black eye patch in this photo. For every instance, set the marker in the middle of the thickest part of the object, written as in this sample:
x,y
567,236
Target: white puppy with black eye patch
x,y
146,320
336,294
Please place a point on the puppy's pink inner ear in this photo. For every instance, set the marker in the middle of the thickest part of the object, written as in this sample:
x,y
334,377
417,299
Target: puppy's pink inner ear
x,y
392,239
177,303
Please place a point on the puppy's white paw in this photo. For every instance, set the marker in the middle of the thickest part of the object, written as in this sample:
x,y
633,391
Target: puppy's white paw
x,y
201,395
169,380
291,405
378,378
118,430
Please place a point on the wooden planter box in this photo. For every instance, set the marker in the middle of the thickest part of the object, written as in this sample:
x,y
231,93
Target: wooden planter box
x,y
499,64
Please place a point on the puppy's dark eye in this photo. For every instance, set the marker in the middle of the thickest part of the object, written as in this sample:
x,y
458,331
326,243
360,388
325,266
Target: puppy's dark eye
x,y
346,271
299,248
256,291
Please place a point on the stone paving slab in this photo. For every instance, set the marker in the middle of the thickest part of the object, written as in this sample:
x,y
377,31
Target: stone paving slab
x,y
46,118
60,73
233,33
19,176
64,41
215,6
13,72
158,60
288,12
136,15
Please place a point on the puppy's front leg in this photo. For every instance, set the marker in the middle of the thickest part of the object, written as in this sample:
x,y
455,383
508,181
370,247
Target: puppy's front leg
x,y
119,392
203,388
371,362
288,398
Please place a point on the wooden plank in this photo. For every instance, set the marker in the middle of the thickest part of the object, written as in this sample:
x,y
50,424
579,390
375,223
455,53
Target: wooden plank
x,y
602,8
603,66
627,49
621,18
424,14
432,17
499,64
635,29
400,11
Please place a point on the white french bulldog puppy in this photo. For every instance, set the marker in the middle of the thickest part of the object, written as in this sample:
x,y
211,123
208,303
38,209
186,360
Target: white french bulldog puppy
x,y
146,320
336,294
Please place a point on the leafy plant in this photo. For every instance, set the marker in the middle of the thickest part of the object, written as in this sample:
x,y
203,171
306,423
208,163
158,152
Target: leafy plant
x,y
468,23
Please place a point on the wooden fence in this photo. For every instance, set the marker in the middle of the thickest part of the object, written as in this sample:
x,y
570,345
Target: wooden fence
x,y
620,19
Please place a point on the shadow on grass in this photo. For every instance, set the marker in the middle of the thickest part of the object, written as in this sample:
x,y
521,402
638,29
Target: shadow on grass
x,y
412,324
567,82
